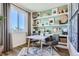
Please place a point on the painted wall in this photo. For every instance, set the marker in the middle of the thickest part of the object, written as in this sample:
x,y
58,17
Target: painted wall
x,y
18,38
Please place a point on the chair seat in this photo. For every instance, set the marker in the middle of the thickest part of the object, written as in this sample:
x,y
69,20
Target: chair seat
x,y
49,43
54,42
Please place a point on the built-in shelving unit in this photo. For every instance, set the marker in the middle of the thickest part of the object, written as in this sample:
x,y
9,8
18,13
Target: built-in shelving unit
x,y
53,25
51,21
55,15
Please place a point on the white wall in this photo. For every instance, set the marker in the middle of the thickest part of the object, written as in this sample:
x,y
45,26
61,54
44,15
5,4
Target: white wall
x,y
18,38
0,8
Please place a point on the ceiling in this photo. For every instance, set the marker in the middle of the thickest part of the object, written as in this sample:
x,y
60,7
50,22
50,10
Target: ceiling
x,y
39,6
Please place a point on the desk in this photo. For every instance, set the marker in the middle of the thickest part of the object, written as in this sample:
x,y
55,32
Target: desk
x,y
36,37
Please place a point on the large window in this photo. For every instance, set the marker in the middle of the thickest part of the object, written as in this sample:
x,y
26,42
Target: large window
x,y
18,19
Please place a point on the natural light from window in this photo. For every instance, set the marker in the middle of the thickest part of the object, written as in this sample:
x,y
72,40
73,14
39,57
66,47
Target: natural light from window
x,y
18,19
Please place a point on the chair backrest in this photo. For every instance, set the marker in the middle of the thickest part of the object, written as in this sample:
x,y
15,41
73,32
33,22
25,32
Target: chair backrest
x,y
55,37
47,39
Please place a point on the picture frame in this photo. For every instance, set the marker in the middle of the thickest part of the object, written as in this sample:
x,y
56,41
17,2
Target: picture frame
x,y
51,21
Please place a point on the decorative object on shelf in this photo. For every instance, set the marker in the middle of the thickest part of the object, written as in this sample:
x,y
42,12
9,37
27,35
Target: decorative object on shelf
x,y
60,11
34,22
34,33
42,24
63,19
56,20
35,15
39,32
38,22
48,31
63,9
51,21
64,31
54,11
55,30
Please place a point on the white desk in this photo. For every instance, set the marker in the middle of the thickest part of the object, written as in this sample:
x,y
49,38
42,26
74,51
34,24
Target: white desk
x,y
37,37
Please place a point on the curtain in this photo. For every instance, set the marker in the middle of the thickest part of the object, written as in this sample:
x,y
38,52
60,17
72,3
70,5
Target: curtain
x,y
29,23
6,34
1,26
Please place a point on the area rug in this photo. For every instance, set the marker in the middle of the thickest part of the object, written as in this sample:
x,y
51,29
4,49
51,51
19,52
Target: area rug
x,y
35,51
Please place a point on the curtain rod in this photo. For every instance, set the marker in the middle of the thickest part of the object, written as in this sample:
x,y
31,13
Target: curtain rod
x,y
19,7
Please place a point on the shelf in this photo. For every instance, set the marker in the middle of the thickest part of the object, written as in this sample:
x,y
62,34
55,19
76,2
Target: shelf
x,y
50,16
63,35
62,46
53,25
51,22
61,43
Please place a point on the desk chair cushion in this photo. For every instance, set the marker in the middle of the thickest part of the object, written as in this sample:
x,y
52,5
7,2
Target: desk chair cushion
x,y
55,39
52,39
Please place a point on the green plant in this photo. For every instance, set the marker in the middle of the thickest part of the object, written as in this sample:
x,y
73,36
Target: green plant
x,y
1,18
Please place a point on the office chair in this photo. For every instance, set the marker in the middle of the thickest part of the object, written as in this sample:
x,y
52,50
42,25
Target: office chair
x,y
52,41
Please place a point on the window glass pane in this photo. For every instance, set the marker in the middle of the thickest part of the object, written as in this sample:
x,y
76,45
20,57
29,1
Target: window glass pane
x,y
18,20
21,21
13,19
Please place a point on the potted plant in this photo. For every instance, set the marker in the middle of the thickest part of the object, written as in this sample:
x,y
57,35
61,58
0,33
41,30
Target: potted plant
x,y
1,18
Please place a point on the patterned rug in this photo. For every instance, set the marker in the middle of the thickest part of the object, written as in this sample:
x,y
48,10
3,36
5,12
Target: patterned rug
x,y
34,51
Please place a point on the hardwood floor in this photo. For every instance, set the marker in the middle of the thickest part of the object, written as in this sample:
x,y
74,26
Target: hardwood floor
x,y
62,52
15,51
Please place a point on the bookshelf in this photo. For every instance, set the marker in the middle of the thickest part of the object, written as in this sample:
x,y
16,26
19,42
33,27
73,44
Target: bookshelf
x,y
51,21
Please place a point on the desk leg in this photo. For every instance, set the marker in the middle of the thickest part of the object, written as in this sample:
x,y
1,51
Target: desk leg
x,y
51,50
28,45
41,46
